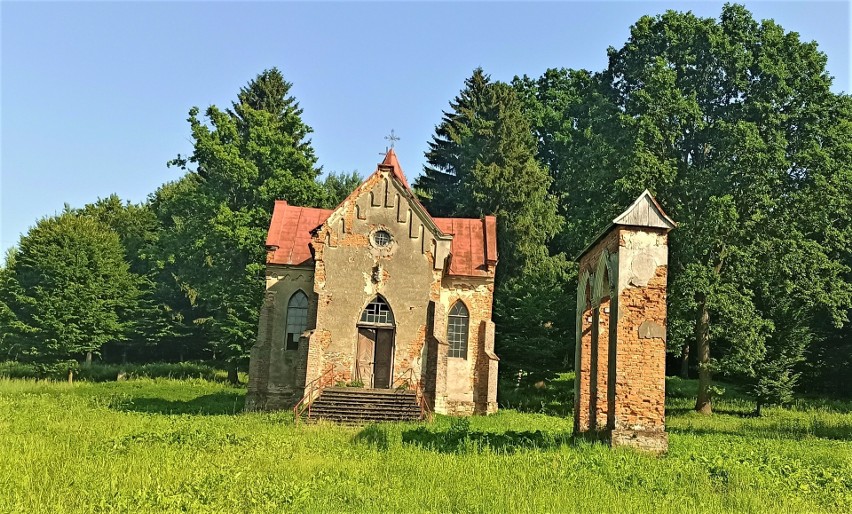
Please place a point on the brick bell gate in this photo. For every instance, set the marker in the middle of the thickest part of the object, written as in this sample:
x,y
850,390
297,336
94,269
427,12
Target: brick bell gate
x,y
620,356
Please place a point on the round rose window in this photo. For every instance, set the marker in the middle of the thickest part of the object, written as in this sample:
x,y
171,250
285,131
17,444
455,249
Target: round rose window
x,y
381,238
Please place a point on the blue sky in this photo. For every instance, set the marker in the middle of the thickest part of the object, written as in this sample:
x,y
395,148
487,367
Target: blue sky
x,y
94,96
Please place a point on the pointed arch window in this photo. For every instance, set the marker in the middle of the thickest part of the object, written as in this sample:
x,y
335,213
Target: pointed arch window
x,y
377,312
297,319
457,330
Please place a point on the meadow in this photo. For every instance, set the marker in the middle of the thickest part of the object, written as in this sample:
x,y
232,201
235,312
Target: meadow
x,y
183,445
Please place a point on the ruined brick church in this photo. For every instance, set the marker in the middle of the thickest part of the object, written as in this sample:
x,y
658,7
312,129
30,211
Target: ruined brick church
x,y
377,294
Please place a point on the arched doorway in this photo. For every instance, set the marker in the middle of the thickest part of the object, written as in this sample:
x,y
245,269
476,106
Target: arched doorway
x,y
374,358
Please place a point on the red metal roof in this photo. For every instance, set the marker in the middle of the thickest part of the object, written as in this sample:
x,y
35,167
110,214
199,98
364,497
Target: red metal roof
x,y
289,233
474,245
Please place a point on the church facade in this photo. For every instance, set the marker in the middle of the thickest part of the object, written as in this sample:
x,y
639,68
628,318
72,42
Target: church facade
x,y
378,293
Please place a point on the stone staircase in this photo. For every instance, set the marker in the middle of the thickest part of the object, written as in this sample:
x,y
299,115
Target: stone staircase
x,y
357,405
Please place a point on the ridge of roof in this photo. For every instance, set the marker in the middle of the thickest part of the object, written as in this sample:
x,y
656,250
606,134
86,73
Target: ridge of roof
x,y
625,217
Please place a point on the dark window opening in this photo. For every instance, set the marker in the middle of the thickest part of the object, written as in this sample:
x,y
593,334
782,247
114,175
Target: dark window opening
x,y
457,330
297,319
381,238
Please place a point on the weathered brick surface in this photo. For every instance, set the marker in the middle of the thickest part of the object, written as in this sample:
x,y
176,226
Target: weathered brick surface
x,y
469,379
640,374
274,377
601,371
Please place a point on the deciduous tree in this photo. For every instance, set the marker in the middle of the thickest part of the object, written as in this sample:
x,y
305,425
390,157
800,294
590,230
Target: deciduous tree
x,y
66,290
215,219
732,124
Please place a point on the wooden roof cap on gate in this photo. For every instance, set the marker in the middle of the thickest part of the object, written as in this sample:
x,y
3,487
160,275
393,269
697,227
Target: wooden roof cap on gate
x,y
645,211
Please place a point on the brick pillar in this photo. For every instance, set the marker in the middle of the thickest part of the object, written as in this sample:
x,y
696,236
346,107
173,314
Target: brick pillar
x,y
302,362
486,372
582,375
441,351
639,419
594,366
314,358
493,363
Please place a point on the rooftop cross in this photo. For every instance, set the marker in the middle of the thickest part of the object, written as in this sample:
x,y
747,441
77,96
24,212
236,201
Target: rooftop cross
x,y
392,138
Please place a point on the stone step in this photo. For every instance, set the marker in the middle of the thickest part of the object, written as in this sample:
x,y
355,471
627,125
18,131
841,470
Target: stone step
x,y
344,409
367,401
359,391
362,419
365,408
365,404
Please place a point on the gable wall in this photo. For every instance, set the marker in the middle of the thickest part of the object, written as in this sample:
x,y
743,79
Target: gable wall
x,y
344,282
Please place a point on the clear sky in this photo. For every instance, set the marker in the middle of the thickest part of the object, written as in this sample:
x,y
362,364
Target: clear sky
x,y
95,95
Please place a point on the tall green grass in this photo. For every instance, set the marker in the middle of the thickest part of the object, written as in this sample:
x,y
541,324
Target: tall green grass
x,y
163,445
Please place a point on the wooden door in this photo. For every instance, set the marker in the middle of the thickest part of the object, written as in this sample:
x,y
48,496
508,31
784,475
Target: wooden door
x,y
383,359
364,358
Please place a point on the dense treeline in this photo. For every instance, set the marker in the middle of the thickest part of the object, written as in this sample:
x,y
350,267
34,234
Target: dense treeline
x,y
730,122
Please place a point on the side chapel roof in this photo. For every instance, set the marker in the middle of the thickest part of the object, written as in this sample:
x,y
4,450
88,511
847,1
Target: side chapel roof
x,y
473,248
289,237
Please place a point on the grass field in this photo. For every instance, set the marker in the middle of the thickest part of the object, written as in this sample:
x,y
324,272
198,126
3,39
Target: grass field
x,y
162,445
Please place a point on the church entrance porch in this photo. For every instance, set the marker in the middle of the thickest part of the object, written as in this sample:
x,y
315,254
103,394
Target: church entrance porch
x,y
374,353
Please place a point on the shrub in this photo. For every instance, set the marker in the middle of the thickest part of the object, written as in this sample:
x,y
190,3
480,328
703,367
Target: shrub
x,y
99,372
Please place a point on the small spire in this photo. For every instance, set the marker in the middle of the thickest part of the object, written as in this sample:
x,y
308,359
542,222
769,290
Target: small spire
x,y
392,161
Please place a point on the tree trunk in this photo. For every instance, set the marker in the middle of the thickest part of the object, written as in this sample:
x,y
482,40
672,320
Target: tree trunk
x,y
704,403
232,374
684,362
88,359
124,354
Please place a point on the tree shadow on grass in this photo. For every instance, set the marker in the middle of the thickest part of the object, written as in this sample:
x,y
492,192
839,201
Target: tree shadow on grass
x,y
457,440
215,404
777,430
739,413
374,436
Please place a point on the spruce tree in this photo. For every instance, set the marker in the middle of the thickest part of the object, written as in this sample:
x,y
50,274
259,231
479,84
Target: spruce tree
x,y
482,161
